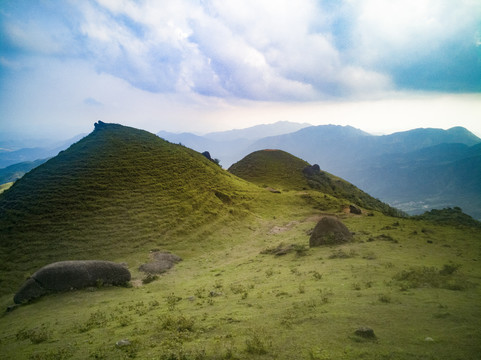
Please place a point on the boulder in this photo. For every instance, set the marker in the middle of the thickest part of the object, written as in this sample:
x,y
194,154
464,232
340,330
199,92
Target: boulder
x,y
329,231
162,261
207,155
67,275
354,210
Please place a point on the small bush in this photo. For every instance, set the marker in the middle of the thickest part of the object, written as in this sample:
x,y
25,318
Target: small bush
x,y
178,324
62,353
256,345
432,277
301,250
341,254
125,320
36,335
317,275
449,269
384,298
172,301
97,319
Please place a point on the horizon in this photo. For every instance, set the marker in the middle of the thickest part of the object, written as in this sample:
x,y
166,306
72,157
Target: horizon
x,y
158,66
44,141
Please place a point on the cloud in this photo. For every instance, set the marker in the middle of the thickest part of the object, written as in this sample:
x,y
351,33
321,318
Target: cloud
x,y
260,50
422,44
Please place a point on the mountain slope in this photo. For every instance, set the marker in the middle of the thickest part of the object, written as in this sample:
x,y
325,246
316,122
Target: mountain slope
x,y
279,169
115,190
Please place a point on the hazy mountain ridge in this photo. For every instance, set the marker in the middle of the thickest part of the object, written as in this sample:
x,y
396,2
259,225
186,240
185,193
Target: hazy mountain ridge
x,y
24,154
257,132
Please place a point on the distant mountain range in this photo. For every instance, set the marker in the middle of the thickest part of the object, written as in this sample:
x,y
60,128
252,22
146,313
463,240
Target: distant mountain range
x,y
413,170
10,155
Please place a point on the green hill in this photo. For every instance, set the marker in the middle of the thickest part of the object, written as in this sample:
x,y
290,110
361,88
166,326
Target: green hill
x,y
279,169
274,168
115,190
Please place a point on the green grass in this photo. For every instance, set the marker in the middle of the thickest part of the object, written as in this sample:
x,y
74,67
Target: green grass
x,y
234,302
231,297
272,168
5,186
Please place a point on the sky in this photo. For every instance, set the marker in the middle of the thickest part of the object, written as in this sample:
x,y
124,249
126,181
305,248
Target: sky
x,y
209,65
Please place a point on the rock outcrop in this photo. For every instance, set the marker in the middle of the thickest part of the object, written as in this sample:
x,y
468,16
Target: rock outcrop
x,y
67,275
312,170
329,231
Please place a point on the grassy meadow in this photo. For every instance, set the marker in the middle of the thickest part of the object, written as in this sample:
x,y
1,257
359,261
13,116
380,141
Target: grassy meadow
x,y
414,282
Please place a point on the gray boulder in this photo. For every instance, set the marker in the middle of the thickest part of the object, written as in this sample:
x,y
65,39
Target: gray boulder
x,y
67,275
162,261
329,231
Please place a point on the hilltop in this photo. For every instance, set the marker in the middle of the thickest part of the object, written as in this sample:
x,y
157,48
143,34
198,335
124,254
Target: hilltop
x,y
279,169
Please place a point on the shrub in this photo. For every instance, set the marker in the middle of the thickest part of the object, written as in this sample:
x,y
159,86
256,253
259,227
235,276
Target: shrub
x,y
36,335
255,344
301,250
317,275
97,319
341,254
172,301
178,324
384,298
56,354
432,277
449,269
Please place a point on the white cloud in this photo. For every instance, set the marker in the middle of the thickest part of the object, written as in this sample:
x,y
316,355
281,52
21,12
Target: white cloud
x,y
399,31
254,49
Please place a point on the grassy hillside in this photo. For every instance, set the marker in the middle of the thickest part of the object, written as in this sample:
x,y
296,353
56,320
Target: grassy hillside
x,y
279,169
117,190
121,192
